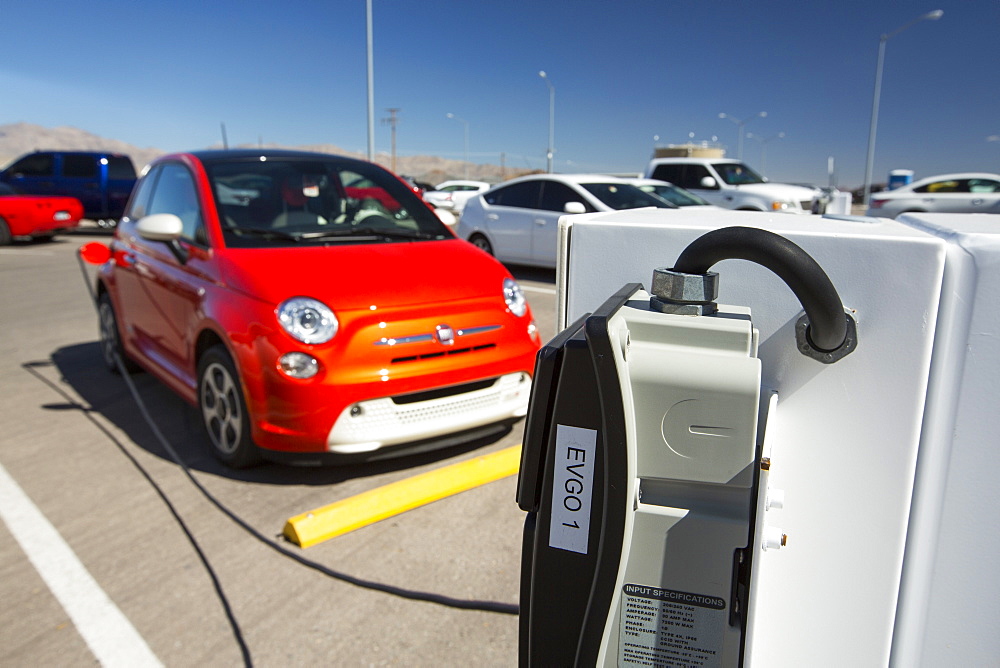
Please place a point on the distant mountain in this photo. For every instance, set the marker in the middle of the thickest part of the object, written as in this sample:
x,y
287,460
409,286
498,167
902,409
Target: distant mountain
x,y
16,139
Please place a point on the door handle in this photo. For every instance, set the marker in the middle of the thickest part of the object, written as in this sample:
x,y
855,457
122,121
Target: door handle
x,y
126,259
492,216
539,221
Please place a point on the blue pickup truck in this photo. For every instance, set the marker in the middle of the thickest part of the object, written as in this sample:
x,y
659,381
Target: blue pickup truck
x,y
101,181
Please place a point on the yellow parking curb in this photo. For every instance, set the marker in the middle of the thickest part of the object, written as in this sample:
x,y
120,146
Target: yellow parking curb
x,y
369,507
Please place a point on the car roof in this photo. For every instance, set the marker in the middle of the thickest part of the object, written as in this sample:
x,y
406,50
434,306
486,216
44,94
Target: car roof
x,y
695,160
954,177
460,182
568,178
226,155
649,182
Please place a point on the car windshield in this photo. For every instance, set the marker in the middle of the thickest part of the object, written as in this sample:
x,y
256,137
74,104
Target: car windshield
x,y
737,174
283,201
674,195
624,196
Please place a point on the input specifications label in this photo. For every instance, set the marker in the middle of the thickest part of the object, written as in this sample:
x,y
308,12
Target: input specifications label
x,y
664,628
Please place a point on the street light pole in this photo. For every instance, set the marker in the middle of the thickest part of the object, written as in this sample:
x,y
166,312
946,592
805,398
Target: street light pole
x,y
741,124
466,124
371,86
552,121
763,148
929,16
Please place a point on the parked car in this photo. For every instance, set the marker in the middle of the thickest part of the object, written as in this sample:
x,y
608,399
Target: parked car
x,y
670,192
101,181
517,221
35,216
304,321
454,194
731,184
970,192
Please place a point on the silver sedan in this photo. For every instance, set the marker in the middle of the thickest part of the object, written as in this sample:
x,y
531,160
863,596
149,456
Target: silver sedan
x,y
971,192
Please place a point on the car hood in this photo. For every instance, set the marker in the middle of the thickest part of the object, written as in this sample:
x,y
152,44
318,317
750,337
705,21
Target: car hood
x,y
779,191
365,275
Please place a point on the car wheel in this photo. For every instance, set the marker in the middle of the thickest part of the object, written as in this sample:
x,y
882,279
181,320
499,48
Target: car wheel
x,y
4,233
482,243
224,411
111,343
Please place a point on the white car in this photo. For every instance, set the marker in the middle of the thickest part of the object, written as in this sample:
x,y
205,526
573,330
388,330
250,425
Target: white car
x,y
970,192
517,221
731,184
454,194
671,193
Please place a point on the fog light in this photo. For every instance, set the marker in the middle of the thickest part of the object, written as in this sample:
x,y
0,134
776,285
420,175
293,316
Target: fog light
x,y
298,365
356,410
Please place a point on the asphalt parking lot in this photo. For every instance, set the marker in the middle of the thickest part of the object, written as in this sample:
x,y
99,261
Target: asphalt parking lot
x,y
204,577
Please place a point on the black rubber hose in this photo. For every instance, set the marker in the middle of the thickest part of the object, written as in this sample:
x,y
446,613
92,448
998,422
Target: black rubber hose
x,y
827,322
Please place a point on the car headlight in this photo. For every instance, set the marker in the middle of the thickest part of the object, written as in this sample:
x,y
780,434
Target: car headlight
x,y
514,296
307,320
780,206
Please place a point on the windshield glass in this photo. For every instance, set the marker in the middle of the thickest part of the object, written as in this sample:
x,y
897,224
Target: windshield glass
x,y
620,196
674,195
737,174
284,201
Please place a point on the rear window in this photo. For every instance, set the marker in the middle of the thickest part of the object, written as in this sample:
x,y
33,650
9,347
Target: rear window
x,y
524,195
120,167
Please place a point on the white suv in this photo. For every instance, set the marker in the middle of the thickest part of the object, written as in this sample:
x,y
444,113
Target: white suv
x,y
731,184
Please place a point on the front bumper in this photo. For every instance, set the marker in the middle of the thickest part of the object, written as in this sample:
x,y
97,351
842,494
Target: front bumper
x,y
375,423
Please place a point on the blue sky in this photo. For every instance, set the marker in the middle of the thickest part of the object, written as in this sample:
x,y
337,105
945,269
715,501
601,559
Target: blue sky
x,y
165,75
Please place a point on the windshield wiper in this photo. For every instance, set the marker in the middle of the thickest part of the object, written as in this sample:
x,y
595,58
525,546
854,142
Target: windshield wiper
x,y
354,232
405,234
263,232
368,233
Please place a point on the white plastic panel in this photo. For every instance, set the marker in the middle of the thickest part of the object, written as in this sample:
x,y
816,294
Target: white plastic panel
x,y
951,591
846,436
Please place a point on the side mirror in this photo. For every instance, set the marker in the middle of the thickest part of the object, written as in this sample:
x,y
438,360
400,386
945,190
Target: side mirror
x,y
160,227
709,183
446,217
575,207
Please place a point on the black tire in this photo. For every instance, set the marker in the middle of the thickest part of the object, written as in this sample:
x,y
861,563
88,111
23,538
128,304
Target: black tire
x,y
5,237
482,243
224,410
110,337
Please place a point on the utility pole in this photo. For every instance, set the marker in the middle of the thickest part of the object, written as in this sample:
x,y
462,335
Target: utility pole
x,y
392,121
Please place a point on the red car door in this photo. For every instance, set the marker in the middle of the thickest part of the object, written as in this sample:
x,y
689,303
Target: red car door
x,y
161,302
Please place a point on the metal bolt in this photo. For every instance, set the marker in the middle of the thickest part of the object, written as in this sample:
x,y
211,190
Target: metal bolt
x,y
674,286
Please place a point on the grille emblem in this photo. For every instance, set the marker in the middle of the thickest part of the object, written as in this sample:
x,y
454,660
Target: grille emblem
x,y
445,335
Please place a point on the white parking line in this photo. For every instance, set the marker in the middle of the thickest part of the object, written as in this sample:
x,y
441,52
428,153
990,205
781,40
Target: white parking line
x,y
532,288
107,632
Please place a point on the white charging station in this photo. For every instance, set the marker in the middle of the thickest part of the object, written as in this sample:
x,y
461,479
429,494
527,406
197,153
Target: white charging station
x,y
882,466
